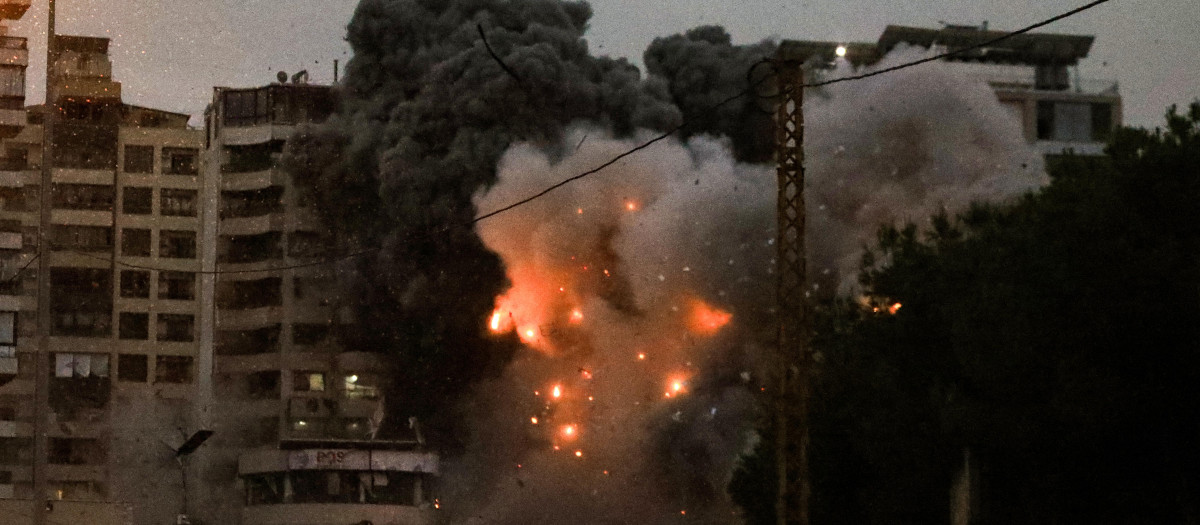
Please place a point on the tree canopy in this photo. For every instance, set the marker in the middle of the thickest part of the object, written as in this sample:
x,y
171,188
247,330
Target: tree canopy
x,y
1056,338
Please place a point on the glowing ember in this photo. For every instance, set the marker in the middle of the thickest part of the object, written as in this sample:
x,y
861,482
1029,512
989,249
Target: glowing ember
x,y
568,431
495,323
579,211
641,356
707,320
631,206
894,308
576,316
676,386
578,453
585,373
556,392
533,420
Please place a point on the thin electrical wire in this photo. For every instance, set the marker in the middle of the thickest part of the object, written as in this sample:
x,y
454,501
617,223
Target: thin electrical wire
x,y
647,143
22,269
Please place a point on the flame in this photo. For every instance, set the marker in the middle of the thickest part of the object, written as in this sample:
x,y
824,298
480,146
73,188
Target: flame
x,y
707,320
556,392
894,308
495,322
576,316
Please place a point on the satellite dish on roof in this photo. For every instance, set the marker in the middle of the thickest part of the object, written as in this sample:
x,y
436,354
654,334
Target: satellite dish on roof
x,y
281,77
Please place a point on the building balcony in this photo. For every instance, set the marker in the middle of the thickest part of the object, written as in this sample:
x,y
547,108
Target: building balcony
x,y
258,134
253,180
254,225
324,513
11,122
251,318
13,51
75,472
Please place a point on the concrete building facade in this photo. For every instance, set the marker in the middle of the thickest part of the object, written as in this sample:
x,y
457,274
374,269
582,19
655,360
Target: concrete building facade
x,y
1034,75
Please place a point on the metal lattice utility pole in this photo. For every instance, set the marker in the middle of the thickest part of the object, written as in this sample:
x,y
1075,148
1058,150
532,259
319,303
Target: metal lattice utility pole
x,y
41,367
791,264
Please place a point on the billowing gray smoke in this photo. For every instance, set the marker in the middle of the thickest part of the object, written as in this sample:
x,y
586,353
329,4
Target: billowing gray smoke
x,y
425,114
608,338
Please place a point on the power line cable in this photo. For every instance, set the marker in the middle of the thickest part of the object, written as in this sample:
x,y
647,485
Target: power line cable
x,y
643,145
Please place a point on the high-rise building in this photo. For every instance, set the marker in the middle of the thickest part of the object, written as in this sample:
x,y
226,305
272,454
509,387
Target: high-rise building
x,y
123,259
1035,76
295,413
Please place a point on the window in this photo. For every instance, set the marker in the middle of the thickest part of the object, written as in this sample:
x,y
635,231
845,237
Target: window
x,y
177,244
134,325
139,159
176,285
246,342
357,386
249,248
308,381
81,238
136,201
83,196
263,385
172,369
135,284
176,327
132,368
81,299
72,451
178,203
69,365
241,295
180,161
252,203
135,242
309,333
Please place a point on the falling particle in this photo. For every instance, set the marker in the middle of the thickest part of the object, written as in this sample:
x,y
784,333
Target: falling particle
x,y
683,512
533,420
590,398
662,277
641,356
631,206
585,373
576,316
687,268
606,274
579,211
578,453
556,392
518,465
606,473
557,448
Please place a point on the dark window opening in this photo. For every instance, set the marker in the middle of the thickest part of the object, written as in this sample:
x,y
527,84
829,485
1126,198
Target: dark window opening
x,y
176,327
133,368
241,295
82,301
177,244
246,342
83,196
135,242
172,369
134,325
82,145
136,201
263,385
251,203
309,334
135,284
74,451
308,381
255,157
81,238
180,161
178,203
176,285
139,159
250,248
1102,121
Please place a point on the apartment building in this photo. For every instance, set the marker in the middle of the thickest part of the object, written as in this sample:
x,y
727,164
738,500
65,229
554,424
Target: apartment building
x,y
295,413
1035,76
123,262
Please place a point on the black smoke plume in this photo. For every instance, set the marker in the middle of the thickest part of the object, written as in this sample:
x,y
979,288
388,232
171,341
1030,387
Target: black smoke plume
x,y
426,112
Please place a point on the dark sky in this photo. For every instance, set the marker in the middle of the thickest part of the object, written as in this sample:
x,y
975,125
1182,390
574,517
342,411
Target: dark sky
x,y
169,53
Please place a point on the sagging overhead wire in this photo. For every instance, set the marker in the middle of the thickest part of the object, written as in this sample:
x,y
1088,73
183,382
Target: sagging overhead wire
x,y
655,139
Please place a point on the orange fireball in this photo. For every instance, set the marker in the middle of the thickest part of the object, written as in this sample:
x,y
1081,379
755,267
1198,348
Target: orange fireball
x,y
707,320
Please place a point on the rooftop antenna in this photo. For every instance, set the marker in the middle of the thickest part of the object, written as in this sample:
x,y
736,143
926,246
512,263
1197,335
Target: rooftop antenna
x,y
335,71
